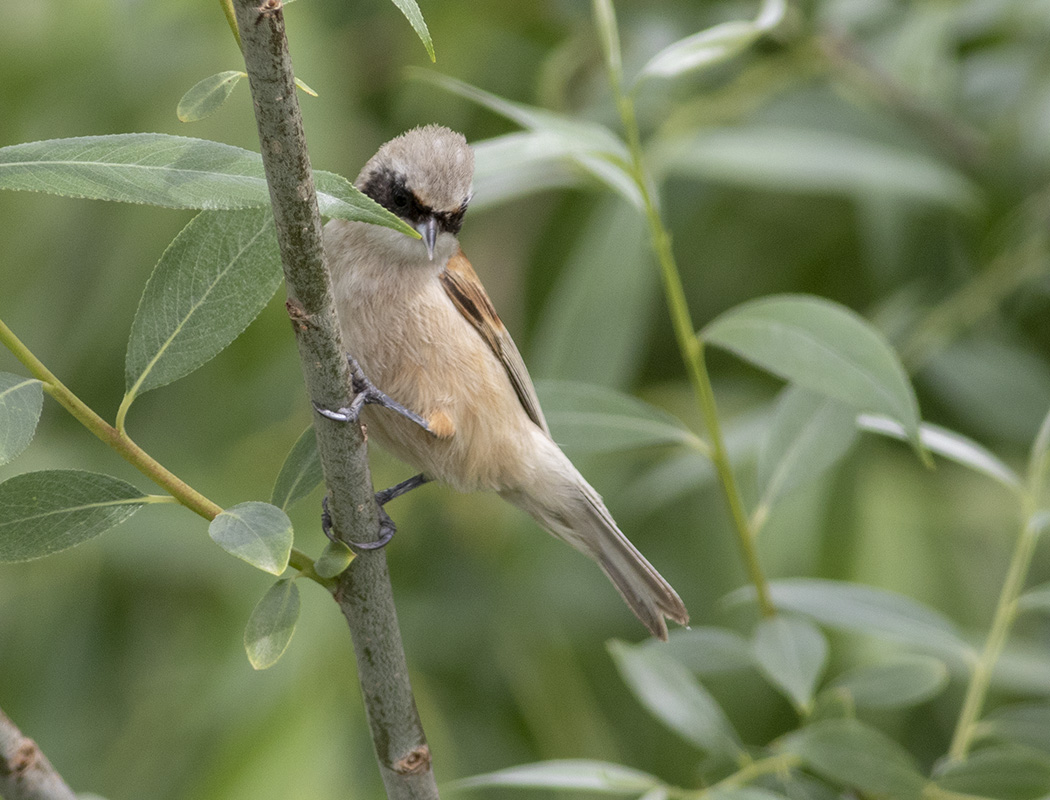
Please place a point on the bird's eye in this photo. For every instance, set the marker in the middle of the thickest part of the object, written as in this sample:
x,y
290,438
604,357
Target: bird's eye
x,y
400,198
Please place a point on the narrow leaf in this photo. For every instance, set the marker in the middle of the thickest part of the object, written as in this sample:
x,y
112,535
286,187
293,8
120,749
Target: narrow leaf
x,y
211,282
44,512
595,419
334,559
169,171
815,161
258,533
792,653
21,400
415,18
205,97
1002,772
707,650
742,793
868,611
272,623
823,347
302,85
953,446
1035,599
714,45
903,681
810,433
581,774
301,472
674,696
854,755
1039,461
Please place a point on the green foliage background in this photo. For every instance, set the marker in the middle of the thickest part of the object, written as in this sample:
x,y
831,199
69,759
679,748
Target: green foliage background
x,y
124,658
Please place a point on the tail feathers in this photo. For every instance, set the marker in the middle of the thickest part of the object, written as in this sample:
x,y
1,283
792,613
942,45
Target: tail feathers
x,y
589,527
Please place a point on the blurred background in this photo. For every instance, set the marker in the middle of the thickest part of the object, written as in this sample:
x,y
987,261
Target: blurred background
x,y
892,156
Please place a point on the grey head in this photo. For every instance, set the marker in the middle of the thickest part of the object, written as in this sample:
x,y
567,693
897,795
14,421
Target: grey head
x,y
424,176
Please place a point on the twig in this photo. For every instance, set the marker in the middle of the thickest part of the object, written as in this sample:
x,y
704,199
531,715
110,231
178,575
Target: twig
x,y
364,593
25,772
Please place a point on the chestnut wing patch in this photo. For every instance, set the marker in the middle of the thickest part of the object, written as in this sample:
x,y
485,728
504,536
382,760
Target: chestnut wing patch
x,y
462,286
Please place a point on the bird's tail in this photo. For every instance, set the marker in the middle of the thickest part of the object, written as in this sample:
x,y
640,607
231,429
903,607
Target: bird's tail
x,y
582,520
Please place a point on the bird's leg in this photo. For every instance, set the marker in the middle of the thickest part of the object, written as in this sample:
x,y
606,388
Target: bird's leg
x,y
387,528
366,392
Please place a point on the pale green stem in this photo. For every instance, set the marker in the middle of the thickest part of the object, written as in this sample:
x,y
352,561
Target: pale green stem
x,y
691,348
1005,612
179,491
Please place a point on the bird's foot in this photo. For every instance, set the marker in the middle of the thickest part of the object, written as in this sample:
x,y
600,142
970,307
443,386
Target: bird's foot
x,y
366,392
387,528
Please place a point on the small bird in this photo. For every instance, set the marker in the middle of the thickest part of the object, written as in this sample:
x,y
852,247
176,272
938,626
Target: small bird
x,y
418,322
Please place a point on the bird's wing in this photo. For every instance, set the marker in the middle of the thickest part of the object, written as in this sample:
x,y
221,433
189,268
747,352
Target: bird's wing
x,y
465,291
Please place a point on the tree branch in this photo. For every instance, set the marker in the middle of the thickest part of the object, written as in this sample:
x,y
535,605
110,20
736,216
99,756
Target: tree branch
x,y
364,593
25,772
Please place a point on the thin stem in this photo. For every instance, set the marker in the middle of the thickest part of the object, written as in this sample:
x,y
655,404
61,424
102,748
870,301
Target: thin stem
x,y
178,490
25,772
772,765
1005,612
690,346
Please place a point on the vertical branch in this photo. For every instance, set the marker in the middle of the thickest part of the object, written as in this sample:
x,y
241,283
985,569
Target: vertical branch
x,y
25,773
364,592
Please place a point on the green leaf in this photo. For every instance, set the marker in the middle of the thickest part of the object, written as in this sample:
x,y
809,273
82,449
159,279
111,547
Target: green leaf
x,y
211,282
205,97
582,774
714,45
518,164
334,559
707,650
272,623
1025,723
415,18
256,532
904,680
953,446
44,512
868,611
810,432
595,419
302,85
824,347
854,755
792,653
593,327
815,162
1035,599
742,793
169,171
589,145
674,696
1002,772
301,472
21,400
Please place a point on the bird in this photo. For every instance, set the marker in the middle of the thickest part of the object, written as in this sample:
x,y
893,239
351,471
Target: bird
x,y
421,328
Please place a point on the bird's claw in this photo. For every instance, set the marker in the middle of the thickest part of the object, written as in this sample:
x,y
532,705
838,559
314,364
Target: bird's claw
x,y
365,393
387,528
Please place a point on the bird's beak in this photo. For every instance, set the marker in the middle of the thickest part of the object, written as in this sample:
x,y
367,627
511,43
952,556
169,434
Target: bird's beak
x,y
428,229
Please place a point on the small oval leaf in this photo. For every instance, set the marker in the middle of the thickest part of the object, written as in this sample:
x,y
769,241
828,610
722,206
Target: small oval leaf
x,y
868,611
44,512
256,532
824,347
301,472
792,653
211,282
205,97
854,755
334,559
1004,772
596,419
905,680
673,695
1024,723
272,623
581,774
21,400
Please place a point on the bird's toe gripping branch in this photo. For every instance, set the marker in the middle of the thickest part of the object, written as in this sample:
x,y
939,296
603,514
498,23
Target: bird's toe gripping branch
x,y
366,392
387,528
